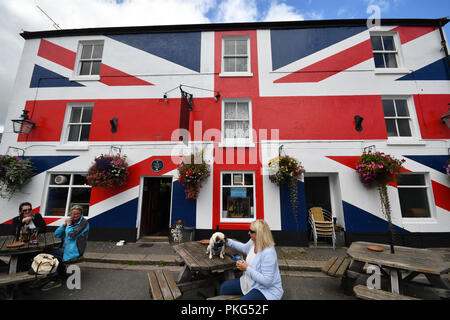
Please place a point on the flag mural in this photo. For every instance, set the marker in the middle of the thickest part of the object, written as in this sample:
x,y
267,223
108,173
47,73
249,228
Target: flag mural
x,y
255,91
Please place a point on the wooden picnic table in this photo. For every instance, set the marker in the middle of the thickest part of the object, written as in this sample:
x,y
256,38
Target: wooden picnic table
x,y
412,261
197,262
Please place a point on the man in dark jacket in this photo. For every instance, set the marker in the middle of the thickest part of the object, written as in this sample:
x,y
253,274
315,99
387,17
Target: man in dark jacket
x,y
26,219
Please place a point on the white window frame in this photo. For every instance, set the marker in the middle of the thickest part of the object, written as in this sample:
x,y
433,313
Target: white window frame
x,y
237,220
237,142
65,132
77,68
401,69
247,73
430,199
415,137
70,186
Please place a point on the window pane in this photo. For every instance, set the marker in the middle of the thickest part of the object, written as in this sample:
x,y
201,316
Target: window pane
x,y
404,129
242,129
60,179
230,129
388,108
237,203
402,108
230,110
241,46
75,115
238,179
85,132
230,47
81,197
95,68
98,51
248,179
86,53
411,180
391,128
74,132
79,179
56,201
391,61
229,64
414,202
379,61
87,115
226,181
85,68
388,42
241,64
242,110
376,43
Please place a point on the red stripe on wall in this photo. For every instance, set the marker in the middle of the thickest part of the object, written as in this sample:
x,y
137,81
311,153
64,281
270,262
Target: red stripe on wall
x,y
430,108
330,66
409,33
113,77
441,195
57,54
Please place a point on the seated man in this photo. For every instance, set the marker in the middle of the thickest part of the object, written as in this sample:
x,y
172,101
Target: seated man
x,y
74,233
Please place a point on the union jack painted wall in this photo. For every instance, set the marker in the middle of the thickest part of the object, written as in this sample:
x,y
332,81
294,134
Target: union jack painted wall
x,y
303,84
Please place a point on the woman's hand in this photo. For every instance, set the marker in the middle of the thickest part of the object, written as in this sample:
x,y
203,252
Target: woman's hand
x,y
242,265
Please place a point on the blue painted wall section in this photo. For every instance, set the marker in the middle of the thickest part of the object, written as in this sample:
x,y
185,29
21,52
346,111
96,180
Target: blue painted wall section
x,y
438,70
180,48
123,216
358,220
182,208
434,162
44,163
44,78
291,45
287,218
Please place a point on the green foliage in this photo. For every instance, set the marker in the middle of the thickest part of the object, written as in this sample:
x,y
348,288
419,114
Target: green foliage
x,y
15,173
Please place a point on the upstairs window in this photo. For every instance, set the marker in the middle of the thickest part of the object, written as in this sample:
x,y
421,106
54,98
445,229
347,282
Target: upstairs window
x,y
397,117
385,52
78,125
236,55
89,58
236,123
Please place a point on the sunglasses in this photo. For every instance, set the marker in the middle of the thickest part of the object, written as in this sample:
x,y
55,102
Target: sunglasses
x,y
251,231
27,210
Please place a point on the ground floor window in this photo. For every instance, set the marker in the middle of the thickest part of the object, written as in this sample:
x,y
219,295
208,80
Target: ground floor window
x,y
413,193
238,196
65,190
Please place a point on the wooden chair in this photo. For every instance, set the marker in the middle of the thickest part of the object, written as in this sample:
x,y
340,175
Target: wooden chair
x,y
321,222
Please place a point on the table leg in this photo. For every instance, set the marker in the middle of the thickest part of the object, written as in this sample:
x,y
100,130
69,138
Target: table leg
x,y
184,275
12,270
441,286
347,283
394,281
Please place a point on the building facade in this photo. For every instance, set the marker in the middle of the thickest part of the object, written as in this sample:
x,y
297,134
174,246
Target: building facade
x,y
258,90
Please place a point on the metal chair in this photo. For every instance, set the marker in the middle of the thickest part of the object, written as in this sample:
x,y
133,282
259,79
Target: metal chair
x,y
321,222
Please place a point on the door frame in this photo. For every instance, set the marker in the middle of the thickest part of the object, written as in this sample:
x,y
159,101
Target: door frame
x,y
141,194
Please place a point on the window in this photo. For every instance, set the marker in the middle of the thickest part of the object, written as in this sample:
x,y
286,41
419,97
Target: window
x,y
236,126
397,117
385,51
89,58
66,190
79,122
236,55
238,194
413,194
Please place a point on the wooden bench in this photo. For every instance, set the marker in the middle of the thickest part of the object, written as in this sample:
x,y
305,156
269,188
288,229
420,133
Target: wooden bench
x,y
363,292
226,297
20,277
336,266
162,285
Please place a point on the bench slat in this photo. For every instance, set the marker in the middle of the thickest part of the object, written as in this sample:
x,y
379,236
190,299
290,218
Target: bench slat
x,y
343,268
328,265
365,293
167,294
176,293
154,286
19,277
335,266
226,297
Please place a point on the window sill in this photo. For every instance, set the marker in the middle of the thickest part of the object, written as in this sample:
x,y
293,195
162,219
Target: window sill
x,y
419,221
235,74
391,71
84,78
236,144
72,147
237,220
405,141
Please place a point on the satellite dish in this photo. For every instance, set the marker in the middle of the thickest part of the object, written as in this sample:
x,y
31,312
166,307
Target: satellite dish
x,y
60,179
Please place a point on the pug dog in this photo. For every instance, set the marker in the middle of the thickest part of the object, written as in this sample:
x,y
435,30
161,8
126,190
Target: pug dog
x,y
216,245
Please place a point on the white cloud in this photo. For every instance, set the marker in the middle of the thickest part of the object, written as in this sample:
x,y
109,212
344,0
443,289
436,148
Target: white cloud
x,y
237,11
282,12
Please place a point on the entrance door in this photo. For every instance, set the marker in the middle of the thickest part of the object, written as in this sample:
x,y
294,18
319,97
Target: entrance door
x,y
156,198
317,192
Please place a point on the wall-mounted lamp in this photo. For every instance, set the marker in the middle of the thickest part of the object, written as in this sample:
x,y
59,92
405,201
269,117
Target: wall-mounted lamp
x,y
23,125
217,96
446,118
113,123
165,97
358,123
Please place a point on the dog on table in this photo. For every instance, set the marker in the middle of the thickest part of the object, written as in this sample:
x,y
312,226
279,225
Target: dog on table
x,y
216,245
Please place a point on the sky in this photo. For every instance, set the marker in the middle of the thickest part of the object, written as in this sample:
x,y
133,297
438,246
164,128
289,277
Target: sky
x,y
19,15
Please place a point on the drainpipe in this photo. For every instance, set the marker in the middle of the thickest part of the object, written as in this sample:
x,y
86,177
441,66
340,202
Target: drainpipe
x,y
444,43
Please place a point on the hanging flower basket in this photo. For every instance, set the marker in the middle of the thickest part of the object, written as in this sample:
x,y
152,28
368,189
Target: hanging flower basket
x,y
192,175
447,167
15,173
378,168
287,170
108,171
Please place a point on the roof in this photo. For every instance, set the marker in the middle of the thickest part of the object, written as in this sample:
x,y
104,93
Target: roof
x,y
230,26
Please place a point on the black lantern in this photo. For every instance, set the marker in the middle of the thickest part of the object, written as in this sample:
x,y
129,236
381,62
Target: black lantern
x,y
446,118
24,125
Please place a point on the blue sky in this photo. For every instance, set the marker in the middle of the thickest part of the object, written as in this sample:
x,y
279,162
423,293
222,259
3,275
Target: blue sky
x,y
19,15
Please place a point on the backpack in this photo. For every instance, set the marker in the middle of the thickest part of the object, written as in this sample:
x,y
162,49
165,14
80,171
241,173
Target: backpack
x,y
44,263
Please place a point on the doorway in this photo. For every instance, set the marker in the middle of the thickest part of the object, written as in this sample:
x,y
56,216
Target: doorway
x,y
317,192
155,213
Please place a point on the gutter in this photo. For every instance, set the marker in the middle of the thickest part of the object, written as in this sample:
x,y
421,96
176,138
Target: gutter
x,y
444,42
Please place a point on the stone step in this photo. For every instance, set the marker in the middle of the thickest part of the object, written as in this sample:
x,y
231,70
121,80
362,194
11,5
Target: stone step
x,y
150,239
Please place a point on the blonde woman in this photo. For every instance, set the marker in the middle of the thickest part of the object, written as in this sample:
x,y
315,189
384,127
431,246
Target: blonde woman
x,y
261,279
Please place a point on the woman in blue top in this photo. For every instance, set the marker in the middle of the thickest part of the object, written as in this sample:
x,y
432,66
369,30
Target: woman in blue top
x,y
261,279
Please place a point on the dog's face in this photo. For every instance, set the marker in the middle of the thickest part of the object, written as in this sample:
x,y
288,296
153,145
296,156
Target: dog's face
x,y
216,245
218,239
